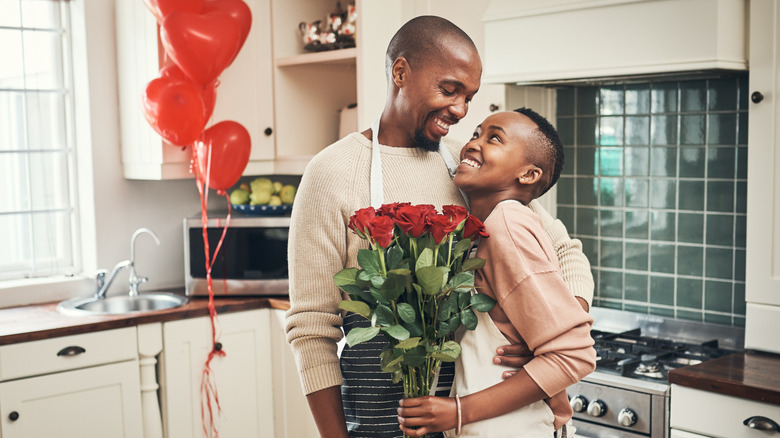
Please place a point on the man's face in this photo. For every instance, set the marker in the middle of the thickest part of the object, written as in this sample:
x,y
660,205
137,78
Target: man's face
x,y
438,93
495,157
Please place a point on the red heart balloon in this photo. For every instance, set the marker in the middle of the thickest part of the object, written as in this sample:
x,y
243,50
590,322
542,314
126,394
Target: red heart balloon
x,y
174,109
161,8
201,45
207,93
238,10
227,144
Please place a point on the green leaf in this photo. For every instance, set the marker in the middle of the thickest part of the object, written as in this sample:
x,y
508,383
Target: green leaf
x,y
473,264
462,282
345,277
469,319
445,310
431,279
406,312
364,277
404,272
409,343
384,316
357,307
461,247
414,357
393,257
351,290
424,260
369,261
449,352
389,362
377,281
464,300
482,302
415,328
397,331
393,287
377,296
361,334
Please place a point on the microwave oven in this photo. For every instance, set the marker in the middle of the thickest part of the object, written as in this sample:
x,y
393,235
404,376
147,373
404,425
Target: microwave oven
x,y
251,261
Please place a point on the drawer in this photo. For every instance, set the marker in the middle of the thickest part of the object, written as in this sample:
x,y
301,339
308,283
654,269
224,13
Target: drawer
x,y
65,353
717,415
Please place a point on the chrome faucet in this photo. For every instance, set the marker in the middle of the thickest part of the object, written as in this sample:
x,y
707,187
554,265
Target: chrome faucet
x,y
102,283
135,280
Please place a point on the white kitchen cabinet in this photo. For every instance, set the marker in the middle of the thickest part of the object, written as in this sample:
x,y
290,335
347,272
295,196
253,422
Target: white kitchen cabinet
x,y
245,94
291,409
762,282
74,386
243,376
702,413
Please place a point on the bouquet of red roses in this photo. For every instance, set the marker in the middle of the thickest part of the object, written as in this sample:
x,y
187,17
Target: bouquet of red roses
x,y
414,285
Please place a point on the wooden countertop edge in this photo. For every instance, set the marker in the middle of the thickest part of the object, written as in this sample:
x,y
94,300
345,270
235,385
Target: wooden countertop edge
x,y
749,375
43,321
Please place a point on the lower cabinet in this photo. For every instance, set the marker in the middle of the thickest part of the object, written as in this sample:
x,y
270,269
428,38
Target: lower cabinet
x,y
697,413
243,377
84,386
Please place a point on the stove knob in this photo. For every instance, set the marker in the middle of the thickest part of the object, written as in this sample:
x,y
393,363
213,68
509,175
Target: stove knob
x,y
626,417
597,408
578,403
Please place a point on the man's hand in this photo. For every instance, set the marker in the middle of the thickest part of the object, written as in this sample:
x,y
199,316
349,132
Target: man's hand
x,y
509,355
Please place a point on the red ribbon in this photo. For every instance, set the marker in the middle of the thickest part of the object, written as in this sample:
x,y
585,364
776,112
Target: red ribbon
x,y
208,386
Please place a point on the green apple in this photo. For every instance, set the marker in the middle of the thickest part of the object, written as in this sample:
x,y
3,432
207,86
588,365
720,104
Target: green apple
x,y
275,200
287,194
277,187
259,197
239,196
262,185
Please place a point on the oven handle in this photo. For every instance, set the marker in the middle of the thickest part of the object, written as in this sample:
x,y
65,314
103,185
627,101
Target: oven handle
x,y
761,423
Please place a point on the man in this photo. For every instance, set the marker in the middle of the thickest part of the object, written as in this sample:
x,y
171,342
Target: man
x,y
433,70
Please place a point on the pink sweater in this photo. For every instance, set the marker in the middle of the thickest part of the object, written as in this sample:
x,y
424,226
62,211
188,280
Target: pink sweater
x,y
535,308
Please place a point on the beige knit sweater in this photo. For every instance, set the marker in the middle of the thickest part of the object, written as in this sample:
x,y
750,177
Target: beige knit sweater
x,y
335,185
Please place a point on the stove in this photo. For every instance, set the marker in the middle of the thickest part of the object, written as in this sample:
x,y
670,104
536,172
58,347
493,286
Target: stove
x,y
628,394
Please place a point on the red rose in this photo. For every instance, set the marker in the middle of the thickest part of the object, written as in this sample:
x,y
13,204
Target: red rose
x,y
358,222
380,228
473,227
456,213
440,225
411,218
391,209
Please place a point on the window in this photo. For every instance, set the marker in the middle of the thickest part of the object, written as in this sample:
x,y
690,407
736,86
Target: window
x,y
655,186
38,214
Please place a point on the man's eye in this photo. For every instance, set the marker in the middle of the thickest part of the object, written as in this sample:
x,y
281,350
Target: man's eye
x,y
447,92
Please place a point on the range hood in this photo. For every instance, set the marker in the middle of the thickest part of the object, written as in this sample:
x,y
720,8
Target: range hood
x,y
553,41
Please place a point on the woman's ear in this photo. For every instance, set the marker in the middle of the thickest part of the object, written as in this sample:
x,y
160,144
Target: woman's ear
x,y
530,175
400,71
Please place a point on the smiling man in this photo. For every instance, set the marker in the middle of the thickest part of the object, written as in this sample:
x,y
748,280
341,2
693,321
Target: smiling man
x,y
433,71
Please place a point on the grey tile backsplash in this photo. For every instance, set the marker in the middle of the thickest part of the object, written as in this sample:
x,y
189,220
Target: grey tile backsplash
x,y
655,186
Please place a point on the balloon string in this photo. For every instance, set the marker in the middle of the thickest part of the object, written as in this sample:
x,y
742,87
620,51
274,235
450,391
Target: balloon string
x,y
208,387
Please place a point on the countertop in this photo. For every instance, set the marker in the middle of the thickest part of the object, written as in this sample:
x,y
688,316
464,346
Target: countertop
x,y
749,375
43,321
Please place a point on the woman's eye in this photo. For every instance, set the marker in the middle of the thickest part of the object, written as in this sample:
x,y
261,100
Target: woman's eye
x,y
475,135
495,137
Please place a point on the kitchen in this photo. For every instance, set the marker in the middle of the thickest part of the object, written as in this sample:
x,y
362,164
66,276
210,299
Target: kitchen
x,y
114,207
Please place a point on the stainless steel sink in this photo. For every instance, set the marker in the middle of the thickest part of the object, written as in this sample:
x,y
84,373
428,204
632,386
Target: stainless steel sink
x,y
121,304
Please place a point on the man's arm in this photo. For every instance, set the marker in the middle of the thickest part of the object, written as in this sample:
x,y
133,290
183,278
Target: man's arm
x,y
326,407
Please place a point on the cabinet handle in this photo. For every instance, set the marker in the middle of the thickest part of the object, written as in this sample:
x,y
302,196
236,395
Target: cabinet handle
x,y
218,346
756,97
73,350
761,423
493,107
13,416
268,131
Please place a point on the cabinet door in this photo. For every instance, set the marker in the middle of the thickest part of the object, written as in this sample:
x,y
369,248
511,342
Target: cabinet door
x,y
762,282
243,375
291,409
244,94
97,402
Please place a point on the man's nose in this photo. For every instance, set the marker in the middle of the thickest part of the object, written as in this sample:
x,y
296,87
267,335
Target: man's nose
x,y
459,108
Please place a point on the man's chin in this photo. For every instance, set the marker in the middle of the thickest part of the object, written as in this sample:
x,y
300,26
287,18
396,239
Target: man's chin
x,y
424,143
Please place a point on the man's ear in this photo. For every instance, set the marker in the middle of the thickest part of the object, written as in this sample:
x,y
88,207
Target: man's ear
x,y
530,175
400,71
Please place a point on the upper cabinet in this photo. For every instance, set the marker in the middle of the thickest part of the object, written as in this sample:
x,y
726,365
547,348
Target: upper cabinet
x,y
550,40
762,282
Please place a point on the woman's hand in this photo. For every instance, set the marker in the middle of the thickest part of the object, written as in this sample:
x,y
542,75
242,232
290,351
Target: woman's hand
x,y
423,415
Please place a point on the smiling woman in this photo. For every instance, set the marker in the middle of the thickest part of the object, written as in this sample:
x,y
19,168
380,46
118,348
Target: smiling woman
x,y
37,173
